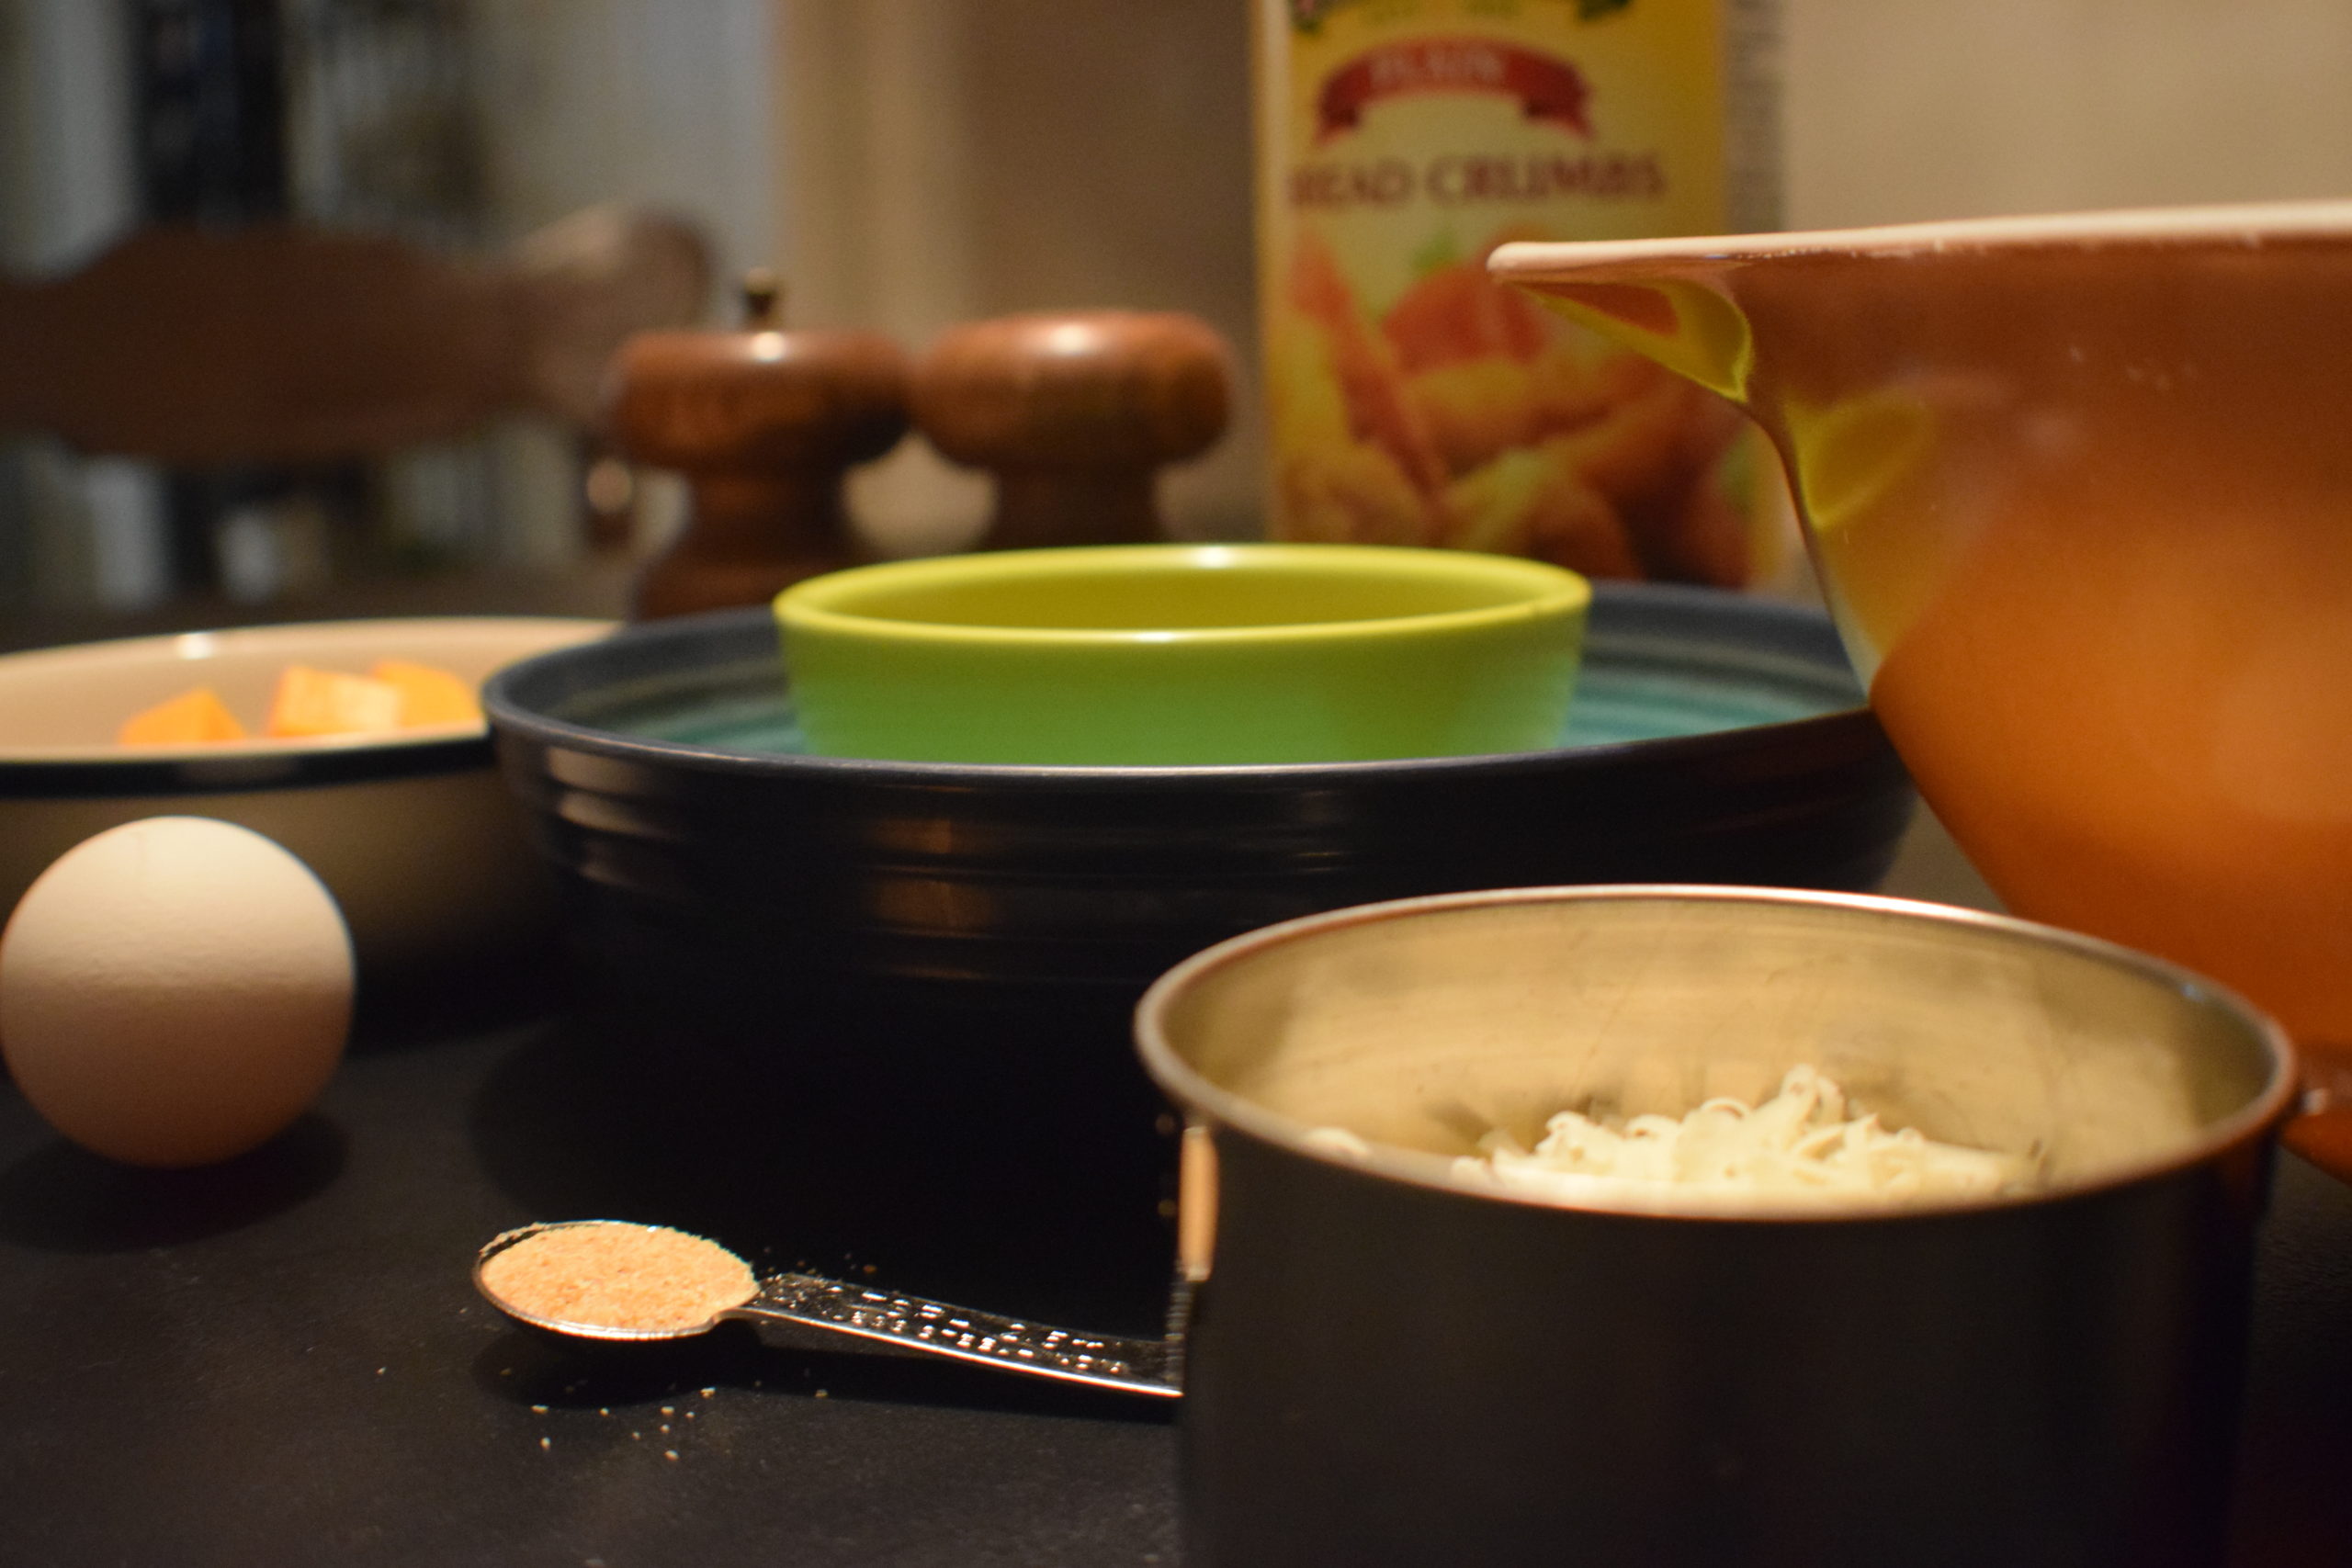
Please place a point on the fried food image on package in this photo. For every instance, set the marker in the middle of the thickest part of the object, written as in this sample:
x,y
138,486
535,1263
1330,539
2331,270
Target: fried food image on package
x,y
1467,416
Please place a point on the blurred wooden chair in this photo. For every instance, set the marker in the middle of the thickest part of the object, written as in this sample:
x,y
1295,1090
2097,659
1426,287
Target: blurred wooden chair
x,y
280,363
280,344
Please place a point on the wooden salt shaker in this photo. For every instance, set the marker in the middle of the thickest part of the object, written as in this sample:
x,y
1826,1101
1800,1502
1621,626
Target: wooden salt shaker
x,y
1074,413
765,423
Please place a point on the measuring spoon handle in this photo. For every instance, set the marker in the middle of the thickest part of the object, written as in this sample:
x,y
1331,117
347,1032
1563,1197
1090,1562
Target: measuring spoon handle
x,y
915,1323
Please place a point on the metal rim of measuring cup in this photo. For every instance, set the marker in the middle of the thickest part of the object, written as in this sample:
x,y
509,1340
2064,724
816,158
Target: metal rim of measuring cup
x,y
1204,1099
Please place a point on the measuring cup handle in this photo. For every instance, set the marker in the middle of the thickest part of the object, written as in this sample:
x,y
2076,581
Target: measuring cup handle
x,y
2320,1130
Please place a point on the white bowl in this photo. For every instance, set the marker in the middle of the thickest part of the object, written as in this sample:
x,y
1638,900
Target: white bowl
x,y
413,833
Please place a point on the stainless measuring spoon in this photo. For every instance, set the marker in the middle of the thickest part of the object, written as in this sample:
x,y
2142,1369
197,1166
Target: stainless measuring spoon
x,y
906,1322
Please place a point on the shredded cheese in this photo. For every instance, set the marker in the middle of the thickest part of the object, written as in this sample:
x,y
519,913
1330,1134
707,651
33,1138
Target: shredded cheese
x,y
1803,1144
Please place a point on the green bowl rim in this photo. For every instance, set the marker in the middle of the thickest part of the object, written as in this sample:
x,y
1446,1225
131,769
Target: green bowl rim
x,y
808,604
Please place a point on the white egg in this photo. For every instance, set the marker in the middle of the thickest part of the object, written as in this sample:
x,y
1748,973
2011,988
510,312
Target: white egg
x,y
175,991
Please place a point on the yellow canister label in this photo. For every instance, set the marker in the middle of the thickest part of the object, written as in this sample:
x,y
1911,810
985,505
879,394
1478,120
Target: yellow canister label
x,y
1412,400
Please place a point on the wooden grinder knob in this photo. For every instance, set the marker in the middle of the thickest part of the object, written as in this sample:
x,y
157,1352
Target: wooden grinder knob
x,y
1074,413
763,423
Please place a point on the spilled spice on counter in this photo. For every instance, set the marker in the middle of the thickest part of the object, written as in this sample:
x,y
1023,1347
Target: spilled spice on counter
x,y
626,1279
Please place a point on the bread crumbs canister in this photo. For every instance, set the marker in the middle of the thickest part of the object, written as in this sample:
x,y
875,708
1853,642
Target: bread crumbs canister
x,y
1413,402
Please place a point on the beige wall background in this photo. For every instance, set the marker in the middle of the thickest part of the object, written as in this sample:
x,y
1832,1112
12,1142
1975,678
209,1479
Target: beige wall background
x,y
1904,109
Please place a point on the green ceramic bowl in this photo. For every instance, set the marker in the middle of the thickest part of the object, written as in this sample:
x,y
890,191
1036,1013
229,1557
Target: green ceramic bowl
x,y
1185,655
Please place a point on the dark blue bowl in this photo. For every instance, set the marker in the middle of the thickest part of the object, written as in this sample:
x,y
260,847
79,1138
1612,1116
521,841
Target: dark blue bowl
x,y
920,973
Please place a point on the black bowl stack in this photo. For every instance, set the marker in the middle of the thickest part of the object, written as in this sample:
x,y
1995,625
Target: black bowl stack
x,y
886,1003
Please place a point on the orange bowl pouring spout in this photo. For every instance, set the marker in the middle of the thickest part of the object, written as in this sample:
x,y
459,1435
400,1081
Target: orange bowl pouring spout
x,y
2077,488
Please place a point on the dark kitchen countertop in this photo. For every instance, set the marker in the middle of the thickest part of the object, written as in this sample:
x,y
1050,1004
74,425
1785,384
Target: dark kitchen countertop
x,y
282,1361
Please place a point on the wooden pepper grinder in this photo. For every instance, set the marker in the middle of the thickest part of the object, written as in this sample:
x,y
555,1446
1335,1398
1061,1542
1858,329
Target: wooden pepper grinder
x,y
1074,413
765,423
